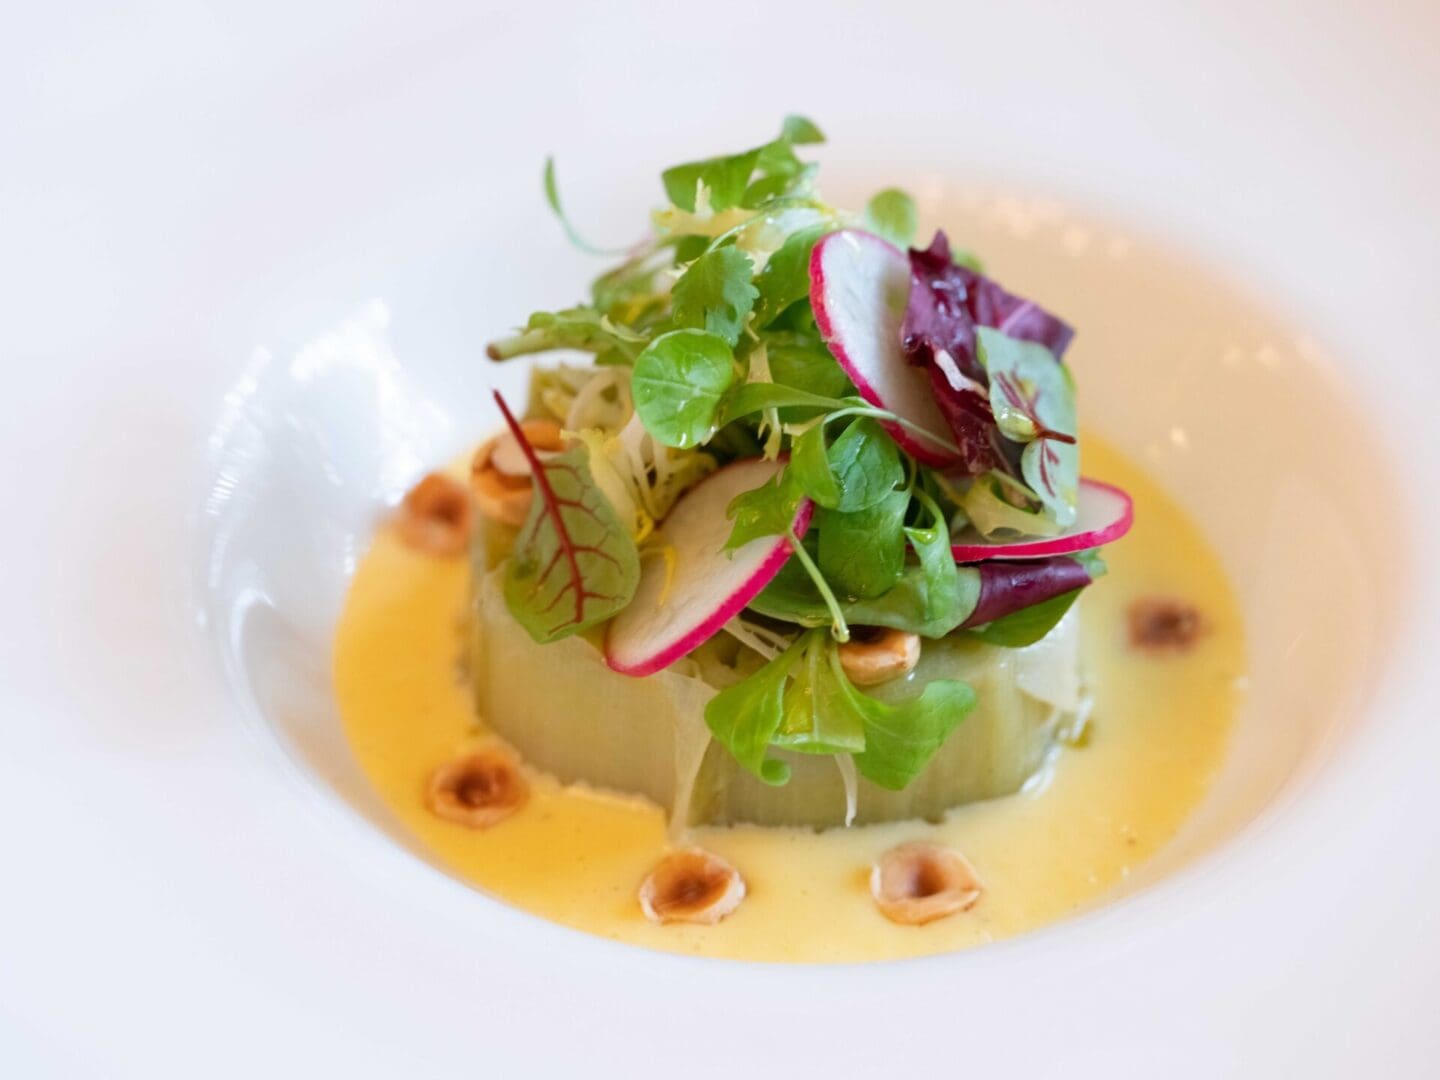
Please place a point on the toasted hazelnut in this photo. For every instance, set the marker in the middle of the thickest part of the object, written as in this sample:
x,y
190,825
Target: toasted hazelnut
x,y
436,516
875,654
917,882
1162,625
500,473
691,886
480,789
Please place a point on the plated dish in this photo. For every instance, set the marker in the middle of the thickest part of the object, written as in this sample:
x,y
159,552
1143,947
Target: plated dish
x,y
786,625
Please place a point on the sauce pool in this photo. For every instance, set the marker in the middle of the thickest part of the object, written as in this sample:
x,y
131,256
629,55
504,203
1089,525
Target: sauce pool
x,y
577,856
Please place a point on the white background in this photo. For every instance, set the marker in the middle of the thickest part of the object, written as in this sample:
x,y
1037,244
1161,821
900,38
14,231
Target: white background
x,y
174,176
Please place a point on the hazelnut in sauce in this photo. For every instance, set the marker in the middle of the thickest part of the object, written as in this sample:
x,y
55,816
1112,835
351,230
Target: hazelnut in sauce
x,y
691,886
1162,625
436,516
479,789
918,882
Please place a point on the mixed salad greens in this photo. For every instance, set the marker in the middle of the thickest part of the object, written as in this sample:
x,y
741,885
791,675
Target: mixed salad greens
x,y
898,433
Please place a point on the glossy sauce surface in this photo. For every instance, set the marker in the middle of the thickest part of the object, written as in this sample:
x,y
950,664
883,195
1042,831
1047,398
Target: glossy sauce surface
x,y
1157,738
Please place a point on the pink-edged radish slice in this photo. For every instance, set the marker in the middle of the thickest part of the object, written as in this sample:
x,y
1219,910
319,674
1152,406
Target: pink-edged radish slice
x,y
1103,514
688,594
859,286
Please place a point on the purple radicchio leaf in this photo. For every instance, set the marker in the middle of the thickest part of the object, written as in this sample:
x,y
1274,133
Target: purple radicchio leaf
x,y
1007,587
947,302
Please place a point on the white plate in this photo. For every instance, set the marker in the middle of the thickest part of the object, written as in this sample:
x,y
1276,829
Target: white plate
x,y
180,894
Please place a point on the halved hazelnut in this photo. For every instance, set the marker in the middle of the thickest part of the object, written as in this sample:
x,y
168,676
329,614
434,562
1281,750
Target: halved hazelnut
x,y
691,886
500,473
1162,625
876,654
436,516
917,882
480,789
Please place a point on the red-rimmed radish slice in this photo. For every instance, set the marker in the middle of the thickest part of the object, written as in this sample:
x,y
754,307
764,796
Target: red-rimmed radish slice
x,y
1103,515
859,286
686,595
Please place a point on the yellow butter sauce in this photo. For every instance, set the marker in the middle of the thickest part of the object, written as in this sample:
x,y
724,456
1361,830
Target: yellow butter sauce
x,y
576,856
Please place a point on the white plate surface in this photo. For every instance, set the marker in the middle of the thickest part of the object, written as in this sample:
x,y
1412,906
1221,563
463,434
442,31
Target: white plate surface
x,y
183,893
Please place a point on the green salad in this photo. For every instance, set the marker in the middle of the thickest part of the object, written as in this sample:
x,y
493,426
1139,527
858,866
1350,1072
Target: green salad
x,y
831,475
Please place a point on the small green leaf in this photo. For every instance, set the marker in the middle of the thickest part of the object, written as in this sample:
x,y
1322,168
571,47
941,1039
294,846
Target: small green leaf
x,y
724,179
901,739
677,384
867,464
810,466
715,294
768,510
753,397
862,554
911,604
786,277
582,328
574,563
1033,398
800,361
891,215
552,198
1028,625
813,724
942,582
746,717
801,131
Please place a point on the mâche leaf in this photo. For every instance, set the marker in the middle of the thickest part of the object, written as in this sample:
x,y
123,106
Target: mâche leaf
x,y
746,717
862,553
901,739
768,510
815,720
715,294
912,604
574,564
867,465
810,468
677,384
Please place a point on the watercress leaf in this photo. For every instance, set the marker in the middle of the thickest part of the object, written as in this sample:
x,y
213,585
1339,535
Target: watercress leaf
x,y
677,384
810,468
867,464
1028,625
891,214
862,554
801,131
746,717
768,510
574,563
724,179
715,293
786,277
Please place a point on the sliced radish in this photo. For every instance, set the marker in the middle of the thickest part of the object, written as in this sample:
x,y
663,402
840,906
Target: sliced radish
x,y
1104,515
685,597
859,286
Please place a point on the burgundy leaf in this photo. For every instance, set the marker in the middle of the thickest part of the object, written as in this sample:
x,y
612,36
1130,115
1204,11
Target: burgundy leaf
x,y
946,303
1007,587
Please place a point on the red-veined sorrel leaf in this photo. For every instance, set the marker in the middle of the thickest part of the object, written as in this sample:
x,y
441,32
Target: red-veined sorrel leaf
x,y
574,563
